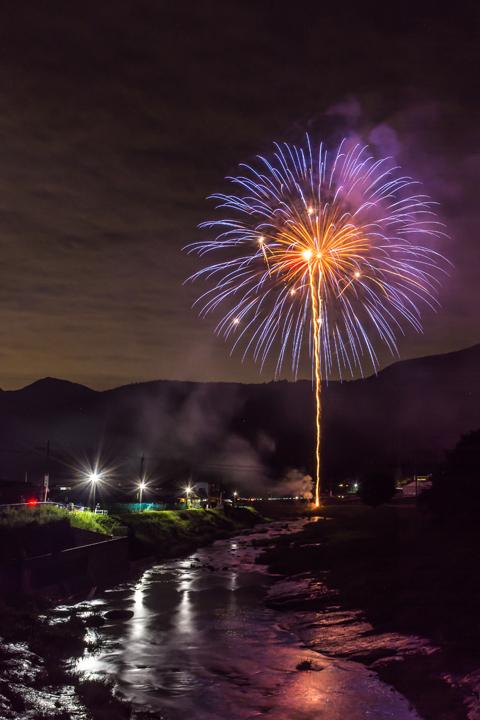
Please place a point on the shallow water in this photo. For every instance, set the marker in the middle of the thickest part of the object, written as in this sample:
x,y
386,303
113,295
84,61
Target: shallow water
x,y
202,643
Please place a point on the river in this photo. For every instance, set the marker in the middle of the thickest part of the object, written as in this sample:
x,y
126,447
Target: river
x,y
203,644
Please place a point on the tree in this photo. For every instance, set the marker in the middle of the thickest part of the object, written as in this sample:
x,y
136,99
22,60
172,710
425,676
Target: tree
x,y
376,487
456,485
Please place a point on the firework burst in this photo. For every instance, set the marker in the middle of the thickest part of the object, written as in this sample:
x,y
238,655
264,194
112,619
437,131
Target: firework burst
x,y
319,252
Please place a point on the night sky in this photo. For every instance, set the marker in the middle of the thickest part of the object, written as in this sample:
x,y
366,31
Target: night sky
x,y
118,119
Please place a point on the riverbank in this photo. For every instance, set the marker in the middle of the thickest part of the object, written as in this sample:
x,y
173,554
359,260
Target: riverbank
x,y
33,531
39,643
30,531
48,551
172,533
409,576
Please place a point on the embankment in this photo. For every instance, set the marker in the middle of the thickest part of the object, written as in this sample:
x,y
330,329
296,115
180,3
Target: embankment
x,y
172,533
61,555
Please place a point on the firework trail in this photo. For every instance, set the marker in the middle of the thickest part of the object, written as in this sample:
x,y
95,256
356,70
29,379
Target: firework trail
x,y
324,252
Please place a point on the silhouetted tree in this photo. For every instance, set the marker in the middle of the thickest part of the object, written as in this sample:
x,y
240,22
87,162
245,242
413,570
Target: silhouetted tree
x,y
456,485
376,487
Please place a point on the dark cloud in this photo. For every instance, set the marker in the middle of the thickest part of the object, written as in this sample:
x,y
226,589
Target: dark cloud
x,y
118,119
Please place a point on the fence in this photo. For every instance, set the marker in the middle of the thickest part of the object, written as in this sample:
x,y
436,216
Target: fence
x,y
144,507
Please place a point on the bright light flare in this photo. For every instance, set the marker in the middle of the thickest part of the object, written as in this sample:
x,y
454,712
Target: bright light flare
x,y
94,476
329,220
141,487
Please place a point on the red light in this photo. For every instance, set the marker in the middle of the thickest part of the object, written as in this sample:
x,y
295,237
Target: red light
x,y
32,502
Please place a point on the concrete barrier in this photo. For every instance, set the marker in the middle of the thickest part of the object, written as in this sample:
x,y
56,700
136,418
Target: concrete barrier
x,y
68,573
88,537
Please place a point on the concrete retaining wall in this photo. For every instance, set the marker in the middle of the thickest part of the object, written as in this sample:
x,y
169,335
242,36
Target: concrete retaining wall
x,y
65,574
87,537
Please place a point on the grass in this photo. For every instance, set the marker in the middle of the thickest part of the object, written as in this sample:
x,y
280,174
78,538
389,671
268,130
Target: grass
x,y
105,524
33,531
40,515
99,696
305,665
171,533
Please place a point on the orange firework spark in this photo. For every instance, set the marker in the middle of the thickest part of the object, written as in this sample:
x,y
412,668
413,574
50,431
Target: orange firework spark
x,y
336,248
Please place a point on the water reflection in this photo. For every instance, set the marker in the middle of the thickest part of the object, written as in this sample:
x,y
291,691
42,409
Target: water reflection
x,y
138,625
202,645
184,619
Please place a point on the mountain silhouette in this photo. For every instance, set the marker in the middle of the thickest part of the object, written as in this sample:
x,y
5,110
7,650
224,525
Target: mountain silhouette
x,y
406,416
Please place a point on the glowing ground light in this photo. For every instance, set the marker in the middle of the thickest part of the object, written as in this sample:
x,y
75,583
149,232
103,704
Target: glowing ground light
x,y
321,253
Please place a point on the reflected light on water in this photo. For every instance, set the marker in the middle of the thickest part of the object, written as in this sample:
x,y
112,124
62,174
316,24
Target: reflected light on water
x,y
89,665
138,625
196,649
185,616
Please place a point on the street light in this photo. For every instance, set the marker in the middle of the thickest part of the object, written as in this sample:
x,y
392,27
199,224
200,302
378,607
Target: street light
x,y
141,487
188,490
94,478
235,497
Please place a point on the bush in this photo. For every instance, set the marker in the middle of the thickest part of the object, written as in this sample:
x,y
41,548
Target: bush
x,y
455,487
377,487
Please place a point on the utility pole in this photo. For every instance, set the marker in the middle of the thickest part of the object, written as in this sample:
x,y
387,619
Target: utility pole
x,y
415,473
142,481
46,477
